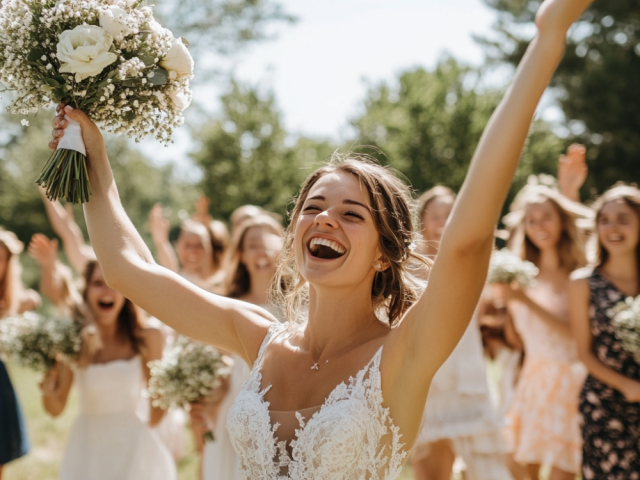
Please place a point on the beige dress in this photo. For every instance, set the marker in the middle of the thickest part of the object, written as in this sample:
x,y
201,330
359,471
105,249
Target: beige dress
x,y
459,409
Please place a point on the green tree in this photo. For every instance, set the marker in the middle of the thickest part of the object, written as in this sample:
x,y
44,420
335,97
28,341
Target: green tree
x,y
596,82
246,156
429,125
23,151
223,26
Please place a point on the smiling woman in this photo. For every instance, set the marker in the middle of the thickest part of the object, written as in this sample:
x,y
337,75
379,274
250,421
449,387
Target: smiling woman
x,y
356,370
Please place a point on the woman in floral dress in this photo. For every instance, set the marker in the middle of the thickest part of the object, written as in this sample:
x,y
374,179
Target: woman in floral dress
x,y
610,397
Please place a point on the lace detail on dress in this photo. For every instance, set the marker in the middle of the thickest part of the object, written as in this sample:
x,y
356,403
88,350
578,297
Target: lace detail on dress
x,y
351,437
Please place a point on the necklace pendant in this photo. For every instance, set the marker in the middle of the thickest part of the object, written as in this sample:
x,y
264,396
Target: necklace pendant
x,y
315,366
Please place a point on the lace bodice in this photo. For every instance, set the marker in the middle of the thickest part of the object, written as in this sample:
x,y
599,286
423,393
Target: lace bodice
x,y
351,437
113,387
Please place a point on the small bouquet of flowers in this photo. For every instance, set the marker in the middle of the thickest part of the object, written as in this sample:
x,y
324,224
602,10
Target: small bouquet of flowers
x,y
188,372
505,267
109,58
625,318
38,342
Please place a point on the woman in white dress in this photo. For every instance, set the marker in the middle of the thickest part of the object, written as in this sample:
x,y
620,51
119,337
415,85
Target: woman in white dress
x,y
254,249
460,420
356,372
108,441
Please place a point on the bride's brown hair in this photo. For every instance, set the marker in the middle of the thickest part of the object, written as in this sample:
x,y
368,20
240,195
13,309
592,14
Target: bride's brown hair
x,y
395,289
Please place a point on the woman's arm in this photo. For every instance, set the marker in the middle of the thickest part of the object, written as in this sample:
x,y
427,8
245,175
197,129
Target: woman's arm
x,y
63,223
159,228
55,389
579,294
572,171
435,324
129,267
45,252
153,346
514,293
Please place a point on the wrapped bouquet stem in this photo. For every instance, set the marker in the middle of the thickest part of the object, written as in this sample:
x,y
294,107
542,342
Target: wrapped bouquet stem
x,y
110,59
65,174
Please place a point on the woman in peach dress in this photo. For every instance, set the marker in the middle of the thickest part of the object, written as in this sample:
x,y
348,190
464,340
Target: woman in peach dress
x,y
543,420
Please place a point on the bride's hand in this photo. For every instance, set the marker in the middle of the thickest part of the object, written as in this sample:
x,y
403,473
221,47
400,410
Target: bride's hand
x,y
91,135
556,16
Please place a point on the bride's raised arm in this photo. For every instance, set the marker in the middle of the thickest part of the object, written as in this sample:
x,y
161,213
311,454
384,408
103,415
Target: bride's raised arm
x,y
129,267
434,325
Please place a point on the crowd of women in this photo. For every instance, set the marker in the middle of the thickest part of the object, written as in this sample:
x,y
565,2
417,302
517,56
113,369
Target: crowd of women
x,y
567,400
371,313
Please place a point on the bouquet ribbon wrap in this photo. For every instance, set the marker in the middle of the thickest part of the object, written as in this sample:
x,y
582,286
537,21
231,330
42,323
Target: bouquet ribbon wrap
x,y
65,174
72,139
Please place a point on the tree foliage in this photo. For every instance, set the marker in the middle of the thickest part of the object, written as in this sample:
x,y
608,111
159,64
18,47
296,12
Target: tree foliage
x,y
597,81
428,126
23,151
223,26
246,156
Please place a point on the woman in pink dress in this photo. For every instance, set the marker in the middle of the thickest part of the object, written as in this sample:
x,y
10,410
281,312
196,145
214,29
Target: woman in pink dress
x,y
543,421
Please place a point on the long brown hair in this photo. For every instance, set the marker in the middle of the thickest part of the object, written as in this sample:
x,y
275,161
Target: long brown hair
x,y
129,318
11,287
395,289
629,195
238,280
573,217
219,239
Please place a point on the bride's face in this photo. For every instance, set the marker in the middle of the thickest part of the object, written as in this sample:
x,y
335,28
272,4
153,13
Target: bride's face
x,y
336,240
105,302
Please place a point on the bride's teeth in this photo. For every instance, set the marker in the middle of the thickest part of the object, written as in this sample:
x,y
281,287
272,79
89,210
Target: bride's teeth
x,y
327,243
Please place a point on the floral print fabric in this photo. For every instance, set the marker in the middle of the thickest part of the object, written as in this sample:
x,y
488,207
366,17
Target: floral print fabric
x,y
611,424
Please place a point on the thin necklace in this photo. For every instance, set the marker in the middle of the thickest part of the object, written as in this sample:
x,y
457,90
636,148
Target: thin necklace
x,y
316,365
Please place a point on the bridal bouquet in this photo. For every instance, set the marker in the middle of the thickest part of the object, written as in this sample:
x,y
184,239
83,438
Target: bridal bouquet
x,y
109,58
38,342
625,317
505,267
189,371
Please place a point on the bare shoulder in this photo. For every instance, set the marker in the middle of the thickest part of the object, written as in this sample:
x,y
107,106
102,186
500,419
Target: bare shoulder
x,y
151,336
581,274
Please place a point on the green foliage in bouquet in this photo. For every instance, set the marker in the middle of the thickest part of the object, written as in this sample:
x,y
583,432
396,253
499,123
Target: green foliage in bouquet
x,y
112,60
505,267
38,342
625,317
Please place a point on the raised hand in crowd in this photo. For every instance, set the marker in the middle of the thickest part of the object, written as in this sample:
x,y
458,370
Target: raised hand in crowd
x,y
572,171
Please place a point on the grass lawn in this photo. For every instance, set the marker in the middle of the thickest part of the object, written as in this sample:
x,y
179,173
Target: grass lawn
x,y
48,435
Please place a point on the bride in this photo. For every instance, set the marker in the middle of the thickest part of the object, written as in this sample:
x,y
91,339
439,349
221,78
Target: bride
x,y
354,375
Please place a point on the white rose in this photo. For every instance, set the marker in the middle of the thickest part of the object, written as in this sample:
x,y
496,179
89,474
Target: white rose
x,y
85,51
157,29
178,59
179,99
114,21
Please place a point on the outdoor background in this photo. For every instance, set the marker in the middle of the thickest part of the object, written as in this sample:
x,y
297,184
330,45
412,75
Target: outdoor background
x,y
279,86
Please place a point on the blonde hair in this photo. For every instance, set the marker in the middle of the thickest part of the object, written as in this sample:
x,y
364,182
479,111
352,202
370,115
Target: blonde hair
x,y
574,218
630,195
11,287
395,289
237,279
439,191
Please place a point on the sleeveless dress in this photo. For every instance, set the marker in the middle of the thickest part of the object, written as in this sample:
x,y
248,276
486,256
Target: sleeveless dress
x,y
14,442
108,441
351,436
459,409
543,422
219,460
611,424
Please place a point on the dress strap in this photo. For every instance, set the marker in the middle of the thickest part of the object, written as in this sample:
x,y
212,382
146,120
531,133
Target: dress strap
x,y
274,328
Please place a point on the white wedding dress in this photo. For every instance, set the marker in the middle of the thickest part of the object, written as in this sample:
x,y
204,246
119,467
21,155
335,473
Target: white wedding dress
x,y
108,441
351,436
